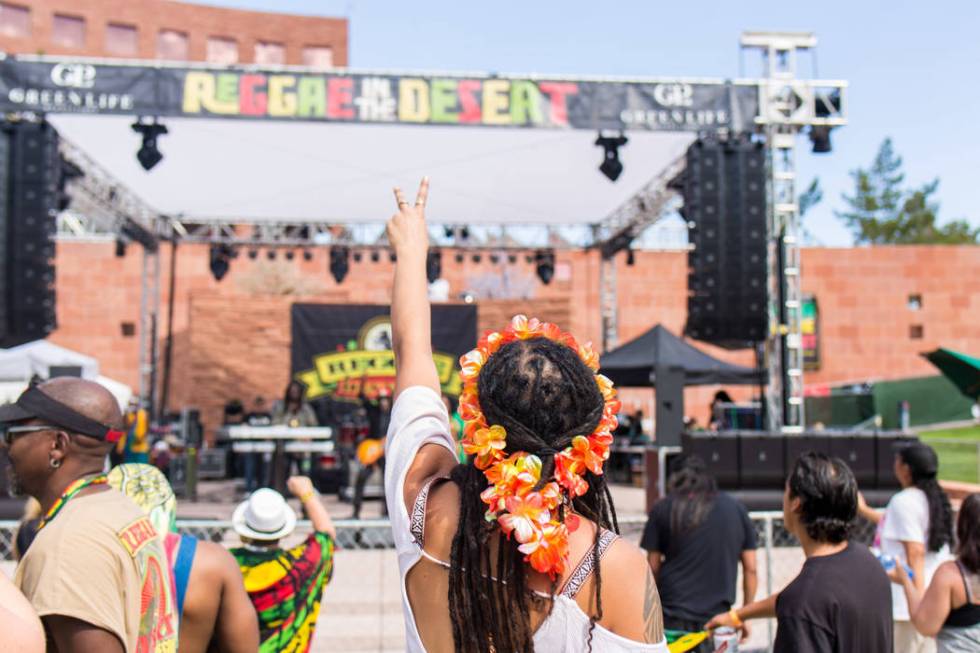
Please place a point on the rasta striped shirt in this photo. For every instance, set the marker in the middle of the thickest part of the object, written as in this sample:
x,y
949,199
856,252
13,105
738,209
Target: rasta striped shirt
x,y
285,588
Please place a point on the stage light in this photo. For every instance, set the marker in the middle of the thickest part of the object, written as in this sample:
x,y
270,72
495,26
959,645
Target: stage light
x,y
120,248
448,231
290,255
253,254
433,265
221,255
464,233
358,255
512,259
149,155
477,258
271,255
307,255
545,260
611,166
69,171
820,137
495,258
529,258
375,256
339,262
459,257
392,256
630,258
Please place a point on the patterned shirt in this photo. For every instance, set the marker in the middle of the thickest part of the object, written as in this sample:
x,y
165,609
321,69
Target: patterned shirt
x,y
285,588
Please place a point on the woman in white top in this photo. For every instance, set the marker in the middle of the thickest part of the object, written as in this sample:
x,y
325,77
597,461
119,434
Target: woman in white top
x,y
916,529
559,579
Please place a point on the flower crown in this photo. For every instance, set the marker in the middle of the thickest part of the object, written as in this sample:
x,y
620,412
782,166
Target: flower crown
x,y
533,516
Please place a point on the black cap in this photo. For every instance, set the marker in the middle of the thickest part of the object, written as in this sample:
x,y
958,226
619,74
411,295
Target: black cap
x,y
34,403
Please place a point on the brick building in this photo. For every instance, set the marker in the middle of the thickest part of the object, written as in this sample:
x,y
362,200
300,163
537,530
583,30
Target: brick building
x,y
167,30
879,308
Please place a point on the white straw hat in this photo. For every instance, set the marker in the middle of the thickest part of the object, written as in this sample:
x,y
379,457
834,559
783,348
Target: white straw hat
x,y
265,515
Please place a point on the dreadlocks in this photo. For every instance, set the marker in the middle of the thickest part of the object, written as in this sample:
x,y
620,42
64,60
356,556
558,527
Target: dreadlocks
x,y
543,395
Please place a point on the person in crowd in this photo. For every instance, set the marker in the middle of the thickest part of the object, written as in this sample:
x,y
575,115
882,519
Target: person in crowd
x,y
160,455
514,551
20,629
255,463
96,574
695,539
840,601
213,609
456,426
949,610
715,418
378,417
916,530
134,446
284,585
234,413
27,528
294,411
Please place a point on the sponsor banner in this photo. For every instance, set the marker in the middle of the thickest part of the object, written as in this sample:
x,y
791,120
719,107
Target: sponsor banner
x,y
341,351
59,86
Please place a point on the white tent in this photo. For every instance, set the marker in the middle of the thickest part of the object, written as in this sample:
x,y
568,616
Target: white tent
x,y
18,364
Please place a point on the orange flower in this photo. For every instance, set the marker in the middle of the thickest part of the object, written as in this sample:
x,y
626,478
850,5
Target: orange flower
x,y
582,452
490,342
551,494
525,517
517,474
605,387
471,363
548,553
589,356
523,328
568,472
487,445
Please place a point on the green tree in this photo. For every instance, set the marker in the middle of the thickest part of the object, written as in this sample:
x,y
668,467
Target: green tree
x,y
881,211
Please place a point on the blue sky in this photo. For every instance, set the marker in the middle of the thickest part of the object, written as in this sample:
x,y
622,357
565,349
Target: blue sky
x,y
912,66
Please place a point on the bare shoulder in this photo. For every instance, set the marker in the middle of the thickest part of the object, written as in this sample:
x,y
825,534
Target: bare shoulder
x,y
947,573
630,590
216,563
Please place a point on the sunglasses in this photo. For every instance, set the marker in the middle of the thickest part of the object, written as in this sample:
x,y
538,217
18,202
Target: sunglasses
x,y
11,433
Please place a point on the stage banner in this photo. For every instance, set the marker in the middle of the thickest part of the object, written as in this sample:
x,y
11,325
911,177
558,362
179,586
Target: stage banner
x,y
340,349
54,85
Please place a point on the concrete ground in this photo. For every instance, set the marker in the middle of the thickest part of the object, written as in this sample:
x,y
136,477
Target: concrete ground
x,y
361,607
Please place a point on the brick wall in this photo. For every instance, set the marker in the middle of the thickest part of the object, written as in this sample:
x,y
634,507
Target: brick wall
x,y
197,21
231,339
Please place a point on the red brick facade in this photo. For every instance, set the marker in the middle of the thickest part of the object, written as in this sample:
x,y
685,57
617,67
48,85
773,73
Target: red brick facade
x,y
197,22
231,339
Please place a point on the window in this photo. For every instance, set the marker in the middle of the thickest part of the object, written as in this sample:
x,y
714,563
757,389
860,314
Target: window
x,y
271,53
916,332
68,31
318,56
15,21
128,329
222,50
121,39
172,45
915,302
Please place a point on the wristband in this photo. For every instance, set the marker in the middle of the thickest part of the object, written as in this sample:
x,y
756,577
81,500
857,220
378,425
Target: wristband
x,y
306,497
736,621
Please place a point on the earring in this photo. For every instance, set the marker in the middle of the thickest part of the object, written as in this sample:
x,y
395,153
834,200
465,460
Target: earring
x,y
54,463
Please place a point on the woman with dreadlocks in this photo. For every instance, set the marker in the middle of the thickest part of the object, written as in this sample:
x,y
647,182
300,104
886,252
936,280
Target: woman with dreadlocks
x,y
916,530
514,551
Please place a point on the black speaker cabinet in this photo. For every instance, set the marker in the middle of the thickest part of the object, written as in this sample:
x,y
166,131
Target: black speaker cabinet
x,y
763,460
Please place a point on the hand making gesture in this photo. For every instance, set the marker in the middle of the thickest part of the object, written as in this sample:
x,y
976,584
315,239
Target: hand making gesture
x,y
407,231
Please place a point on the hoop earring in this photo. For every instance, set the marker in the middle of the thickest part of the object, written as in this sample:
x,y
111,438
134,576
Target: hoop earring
x,y
54,463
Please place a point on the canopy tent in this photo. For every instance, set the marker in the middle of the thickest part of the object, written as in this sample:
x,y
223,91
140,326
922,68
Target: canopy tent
x,y
963,370
42,358
635,363
333,172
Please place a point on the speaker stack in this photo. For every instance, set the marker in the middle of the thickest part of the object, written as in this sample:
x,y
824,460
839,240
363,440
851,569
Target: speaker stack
x,y
29,193
724,191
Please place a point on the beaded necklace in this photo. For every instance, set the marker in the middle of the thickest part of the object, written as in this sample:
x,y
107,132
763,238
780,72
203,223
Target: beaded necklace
x,y
74,488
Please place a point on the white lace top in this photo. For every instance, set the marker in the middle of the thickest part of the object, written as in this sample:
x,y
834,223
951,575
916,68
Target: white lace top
x,y
419,417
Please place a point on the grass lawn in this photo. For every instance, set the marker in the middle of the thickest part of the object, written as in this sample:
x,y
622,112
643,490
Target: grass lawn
x,y
957,460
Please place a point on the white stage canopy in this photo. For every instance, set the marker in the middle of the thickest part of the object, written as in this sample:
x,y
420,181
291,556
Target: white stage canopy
x,y
244,171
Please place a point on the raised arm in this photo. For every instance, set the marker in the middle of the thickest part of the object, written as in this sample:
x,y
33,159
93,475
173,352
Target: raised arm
x,y
411,329
302,488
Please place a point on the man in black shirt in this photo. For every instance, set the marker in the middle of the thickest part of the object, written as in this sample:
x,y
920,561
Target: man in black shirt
x,y
695,539
841,601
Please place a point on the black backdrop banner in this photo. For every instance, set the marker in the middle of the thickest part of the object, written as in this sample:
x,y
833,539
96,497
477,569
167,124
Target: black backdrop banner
x,y
338,349
56,85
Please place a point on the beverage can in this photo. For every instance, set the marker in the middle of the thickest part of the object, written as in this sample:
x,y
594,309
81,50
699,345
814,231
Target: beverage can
x,y
725,640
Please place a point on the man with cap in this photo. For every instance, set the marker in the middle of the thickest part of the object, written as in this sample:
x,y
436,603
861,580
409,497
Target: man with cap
x,y
213,609
96,573
284,584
